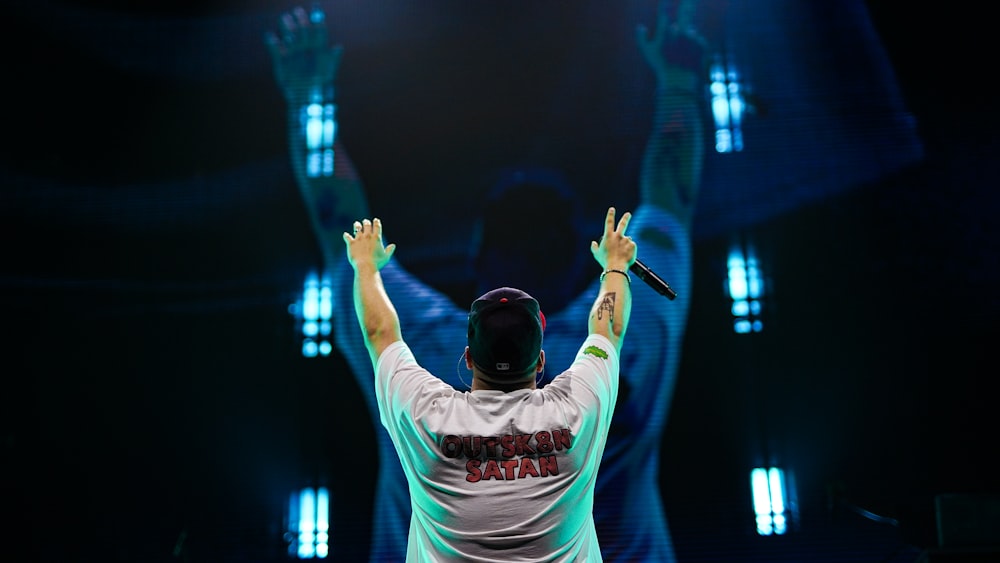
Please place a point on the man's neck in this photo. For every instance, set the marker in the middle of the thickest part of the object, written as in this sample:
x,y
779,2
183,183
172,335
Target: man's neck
x,y
481,383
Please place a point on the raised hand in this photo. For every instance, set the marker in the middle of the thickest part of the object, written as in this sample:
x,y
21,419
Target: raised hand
x,y
303,60
615,250
675,49
366,245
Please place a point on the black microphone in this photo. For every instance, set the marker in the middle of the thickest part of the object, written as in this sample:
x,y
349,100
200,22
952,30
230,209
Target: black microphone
x,y
652,280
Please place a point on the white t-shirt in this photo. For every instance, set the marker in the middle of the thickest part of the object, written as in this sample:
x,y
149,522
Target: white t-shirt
x,y
495,475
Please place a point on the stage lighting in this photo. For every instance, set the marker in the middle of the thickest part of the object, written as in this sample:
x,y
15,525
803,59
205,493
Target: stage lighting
x,y
319,123
309,523
745,285
313,313
770,504
728,105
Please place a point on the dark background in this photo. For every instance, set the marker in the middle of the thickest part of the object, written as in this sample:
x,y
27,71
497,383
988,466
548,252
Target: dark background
x,y
154,394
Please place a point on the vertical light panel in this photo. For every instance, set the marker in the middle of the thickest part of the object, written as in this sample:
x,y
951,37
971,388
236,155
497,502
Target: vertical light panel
x,y
309,523
770,505
314,314
319,126
745,285
322,522
728,105
325,316
329,133
761,501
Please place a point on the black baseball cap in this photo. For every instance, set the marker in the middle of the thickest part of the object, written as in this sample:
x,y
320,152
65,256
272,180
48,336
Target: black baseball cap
x,y
505,333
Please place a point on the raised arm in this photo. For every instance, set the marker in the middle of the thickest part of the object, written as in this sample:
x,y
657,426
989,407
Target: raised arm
x,y
305,67
615,253
672,163
376,314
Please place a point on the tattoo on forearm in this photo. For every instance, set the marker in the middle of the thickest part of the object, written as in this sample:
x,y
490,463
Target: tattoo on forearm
x,y
607,306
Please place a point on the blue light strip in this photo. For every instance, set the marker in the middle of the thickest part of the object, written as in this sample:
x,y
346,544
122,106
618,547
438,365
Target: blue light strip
x,y
315,311
769,493
728,106
319,125
745,284
322,523
307,524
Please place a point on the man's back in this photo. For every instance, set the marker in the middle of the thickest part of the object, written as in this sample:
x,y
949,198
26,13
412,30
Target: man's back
x,y
495,472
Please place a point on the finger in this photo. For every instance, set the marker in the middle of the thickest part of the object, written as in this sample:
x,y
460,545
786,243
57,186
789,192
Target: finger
x,y
377,227
641,34
390,250
317,19
685,13
312,29
357,228
623,222
273,45
662,20
316,13
318,35
609,222
288,27
301,17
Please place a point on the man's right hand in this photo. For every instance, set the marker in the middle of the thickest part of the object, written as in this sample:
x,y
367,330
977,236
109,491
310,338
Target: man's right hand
x,y
366,246
615,250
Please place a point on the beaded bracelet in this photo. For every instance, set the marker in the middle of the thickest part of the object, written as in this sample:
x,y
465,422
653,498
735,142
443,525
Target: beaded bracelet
x,y
627,277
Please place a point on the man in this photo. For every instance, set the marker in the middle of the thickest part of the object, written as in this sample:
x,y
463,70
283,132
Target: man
x,y
505,471
628,508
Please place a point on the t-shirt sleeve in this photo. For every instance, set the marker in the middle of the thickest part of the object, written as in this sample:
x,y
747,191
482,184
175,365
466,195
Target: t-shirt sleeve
x,y
399,383
592,379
